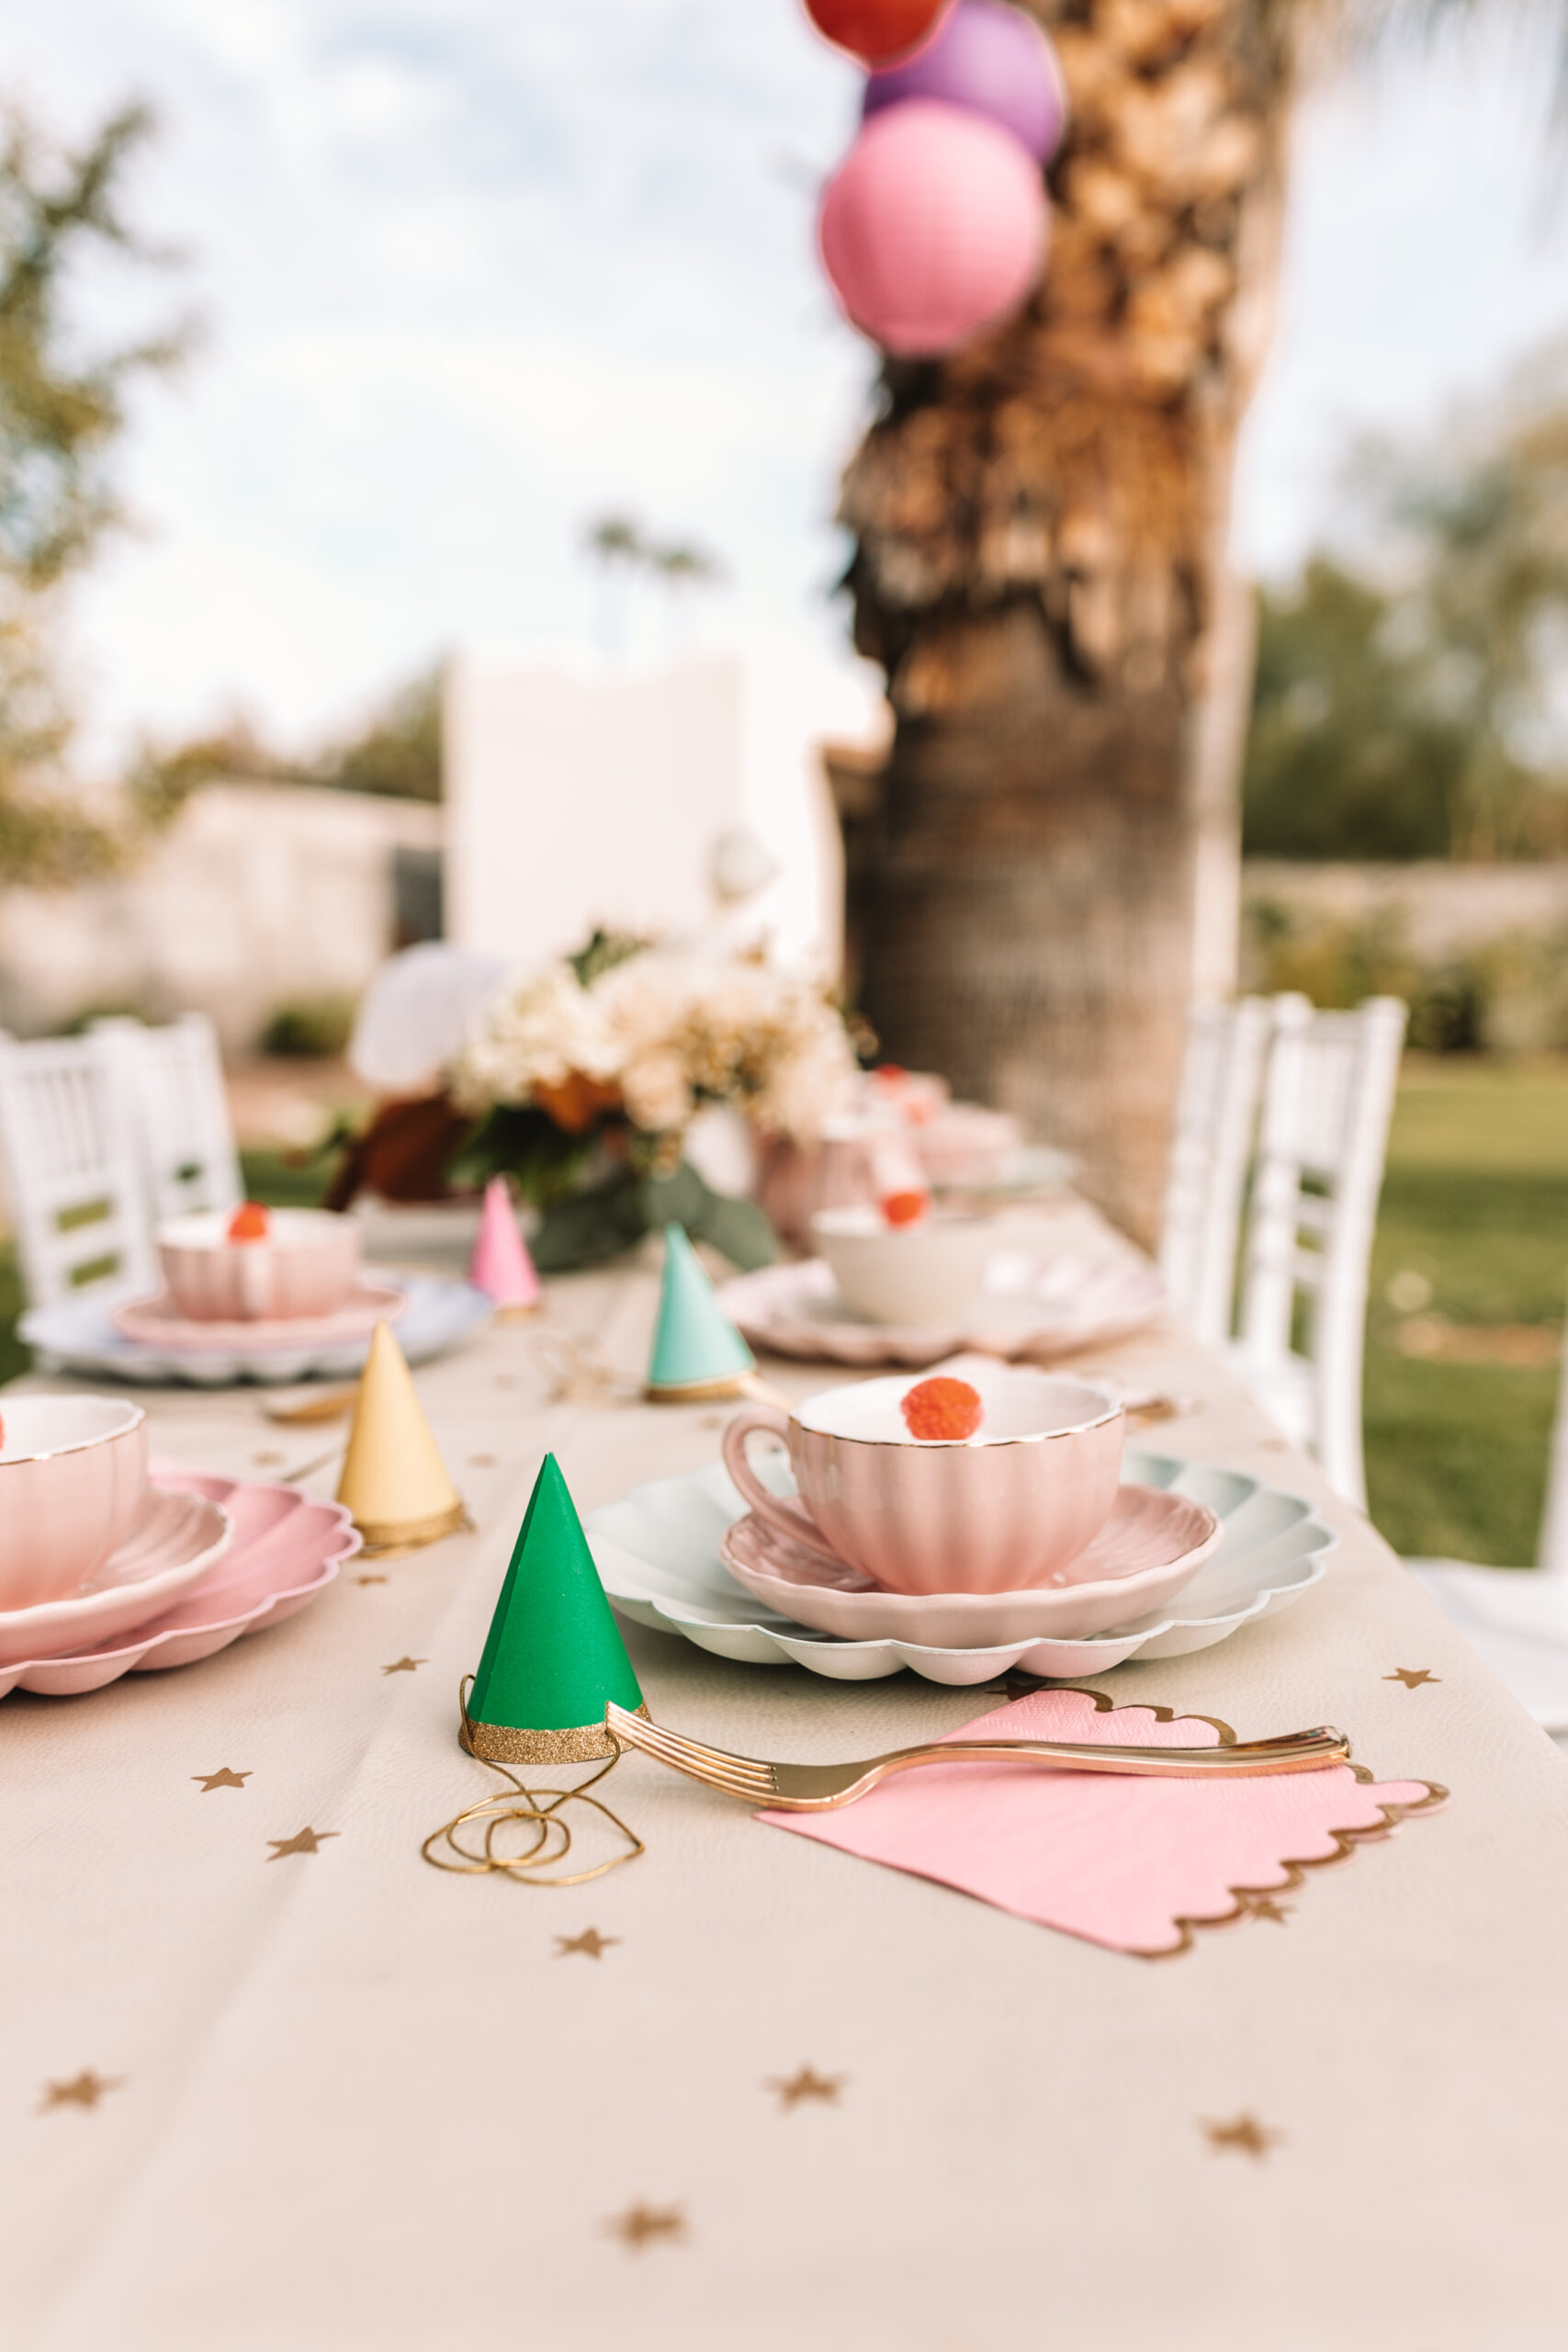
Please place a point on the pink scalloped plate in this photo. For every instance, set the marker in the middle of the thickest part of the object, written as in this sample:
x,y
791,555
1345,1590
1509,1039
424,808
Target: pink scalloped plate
x,y
1152,1544
288,1546
156,1322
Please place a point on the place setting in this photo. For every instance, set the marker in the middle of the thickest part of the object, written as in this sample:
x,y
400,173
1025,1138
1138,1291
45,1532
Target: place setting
x,y
908,1276
973,1524
112,1563
268,1296
986,1518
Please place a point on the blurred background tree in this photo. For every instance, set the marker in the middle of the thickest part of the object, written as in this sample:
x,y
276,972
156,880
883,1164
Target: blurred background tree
x,y
1413,702
61,413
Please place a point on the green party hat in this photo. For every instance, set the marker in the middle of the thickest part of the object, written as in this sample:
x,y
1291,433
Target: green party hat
x,y
554,1654
697,1351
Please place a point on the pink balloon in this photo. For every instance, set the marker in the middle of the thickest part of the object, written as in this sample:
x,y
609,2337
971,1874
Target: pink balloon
x,y
933,226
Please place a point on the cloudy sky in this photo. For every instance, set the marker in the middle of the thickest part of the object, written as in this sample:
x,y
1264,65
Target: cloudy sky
x,y
473,270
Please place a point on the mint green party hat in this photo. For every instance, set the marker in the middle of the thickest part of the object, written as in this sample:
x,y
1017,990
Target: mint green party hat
x,y
554,1653
697,1351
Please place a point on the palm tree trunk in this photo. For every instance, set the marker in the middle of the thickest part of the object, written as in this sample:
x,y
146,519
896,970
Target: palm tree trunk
x,y
1040,525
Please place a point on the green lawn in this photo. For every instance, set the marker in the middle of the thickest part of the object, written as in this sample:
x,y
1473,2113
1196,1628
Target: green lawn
x,y
1476,1202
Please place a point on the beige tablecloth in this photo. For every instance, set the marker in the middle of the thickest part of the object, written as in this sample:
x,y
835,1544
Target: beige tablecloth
x,y
356,2104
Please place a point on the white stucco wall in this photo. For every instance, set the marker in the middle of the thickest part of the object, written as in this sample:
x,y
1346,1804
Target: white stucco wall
x,y
579,794
256,895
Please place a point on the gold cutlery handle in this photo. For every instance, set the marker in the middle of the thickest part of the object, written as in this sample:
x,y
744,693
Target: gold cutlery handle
x,y
1296,1752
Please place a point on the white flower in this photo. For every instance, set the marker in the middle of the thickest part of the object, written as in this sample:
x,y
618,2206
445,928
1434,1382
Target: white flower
x,y
672,1028
536,1037
657,1094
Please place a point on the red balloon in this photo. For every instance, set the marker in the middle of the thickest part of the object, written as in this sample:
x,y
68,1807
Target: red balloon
x,y
877,30
933,227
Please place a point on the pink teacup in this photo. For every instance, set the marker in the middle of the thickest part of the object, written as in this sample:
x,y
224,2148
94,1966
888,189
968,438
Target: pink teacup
x,y
1006,1511
72,1473
306,1263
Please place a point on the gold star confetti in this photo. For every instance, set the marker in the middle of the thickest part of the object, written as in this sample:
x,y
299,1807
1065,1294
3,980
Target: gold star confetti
x,y
86,2090
369,1580
266,1461
404,1664
590,1941
222,1779
806,2083
481,1461
640,2224
304,1841
1263,1906
1412,1676
1244,2134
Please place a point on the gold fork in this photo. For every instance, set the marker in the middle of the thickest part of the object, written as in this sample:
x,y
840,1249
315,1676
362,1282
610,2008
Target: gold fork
x,y
822,1788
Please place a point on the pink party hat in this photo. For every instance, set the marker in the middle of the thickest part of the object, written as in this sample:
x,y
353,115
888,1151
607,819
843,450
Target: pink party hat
x,y
500,1265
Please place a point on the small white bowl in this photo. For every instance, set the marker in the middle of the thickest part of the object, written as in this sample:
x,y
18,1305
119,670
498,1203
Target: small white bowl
x,y
306,1263
72,1473
927,1272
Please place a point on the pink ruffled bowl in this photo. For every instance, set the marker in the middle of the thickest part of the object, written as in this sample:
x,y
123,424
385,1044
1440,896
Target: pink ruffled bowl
x,y
306,1263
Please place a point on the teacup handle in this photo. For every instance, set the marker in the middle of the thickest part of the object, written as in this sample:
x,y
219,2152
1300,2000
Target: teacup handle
x,y
790,1519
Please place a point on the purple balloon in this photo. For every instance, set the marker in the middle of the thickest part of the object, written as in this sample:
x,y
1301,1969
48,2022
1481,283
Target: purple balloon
x,y
991,59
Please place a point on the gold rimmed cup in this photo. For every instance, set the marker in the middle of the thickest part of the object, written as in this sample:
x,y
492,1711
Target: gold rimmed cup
x,y
1005,1511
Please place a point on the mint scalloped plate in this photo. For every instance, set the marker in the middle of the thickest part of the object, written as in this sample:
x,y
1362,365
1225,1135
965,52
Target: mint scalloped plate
x,y
657,1551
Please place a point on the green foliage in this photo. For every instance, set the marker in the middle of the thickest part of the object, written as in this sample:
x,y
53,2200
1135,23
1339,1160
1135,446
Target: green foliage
x,y
605,950
284,1180
398,753
524,1142
1409,707
310,1028
1345,758
592,1228
15,1357
1508,995
618,539
62,412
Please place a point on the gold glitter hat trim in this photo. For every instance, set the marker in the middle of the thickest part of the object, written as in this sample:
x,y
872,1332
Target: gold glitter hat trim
x,y
697,1392
384,1535
504,1744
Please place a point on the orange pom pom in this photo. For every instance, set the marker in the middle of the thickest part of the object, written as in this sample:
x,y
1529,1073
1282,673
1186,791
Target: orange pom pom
x,y
941,1407
905,1209
250,1221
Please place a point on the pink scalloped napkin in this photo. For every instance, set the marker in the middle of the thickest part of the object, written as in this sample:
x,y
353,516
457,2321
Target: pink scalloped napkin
x,y
1132,1864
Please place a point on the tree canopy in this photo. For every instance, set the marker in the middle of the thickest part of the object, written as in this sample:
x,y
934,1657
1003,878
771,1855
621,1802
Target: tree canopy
x,y
62,412
1411,697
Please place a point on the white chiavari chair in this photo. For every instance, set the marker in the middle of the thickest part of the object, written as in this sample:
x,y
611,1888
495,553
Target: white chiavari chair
x,y
1216,1118
72,1178
1327,1103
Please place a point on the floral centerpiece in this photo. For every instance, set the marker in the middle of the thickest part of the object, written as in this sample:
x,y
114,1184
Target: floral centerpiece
x,y
584,1079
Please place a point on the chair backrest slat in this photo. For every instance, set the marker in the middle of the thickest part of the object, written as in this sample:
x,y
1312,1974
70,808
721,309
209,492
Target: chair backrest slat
x,y
1216,1115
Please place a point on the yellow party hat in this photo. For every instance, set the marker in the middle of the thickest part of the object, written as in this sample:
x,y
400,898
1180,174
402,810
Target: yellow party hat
x,y
394,1481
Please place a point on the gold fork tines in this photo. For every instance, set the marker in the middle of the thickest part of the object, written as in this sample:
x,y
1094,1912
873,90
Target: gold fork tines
x,y
739,1776
821,1788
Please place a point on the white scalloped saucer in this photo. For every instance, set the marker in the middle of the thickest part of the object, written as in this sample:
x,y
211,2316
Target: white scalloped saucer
x,y
1037,1304
658,1552
173,1541
1152,1544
